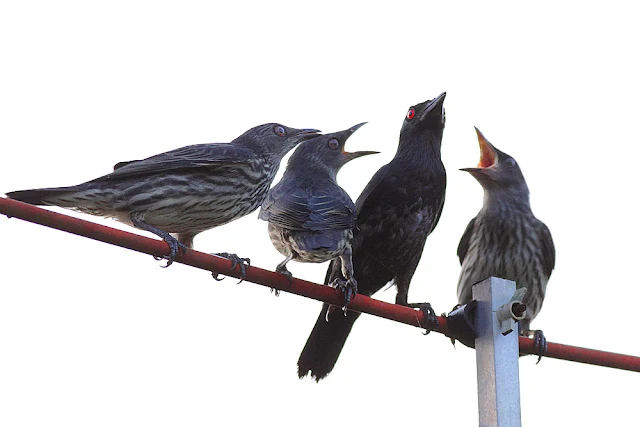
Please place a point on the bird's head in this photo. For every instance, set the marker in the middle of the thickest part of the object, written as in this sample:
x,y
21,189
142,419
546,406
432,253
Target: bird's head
x,y
425,122
496,170
326,151
274,140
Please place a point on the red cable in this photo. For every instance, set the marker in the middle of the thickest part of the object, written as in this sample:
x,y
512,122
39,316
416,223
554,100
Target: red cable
x,y
215,264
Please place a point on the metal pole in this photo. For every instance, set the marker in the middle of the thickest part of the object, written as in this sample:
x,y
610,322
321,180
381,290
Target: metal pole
x,y
496,357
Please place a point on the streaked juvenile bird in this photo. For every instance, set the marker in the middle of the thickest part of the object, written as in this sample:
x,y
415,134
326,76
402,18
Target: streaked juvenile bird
x,y
505,239
396,212
184,191
310,216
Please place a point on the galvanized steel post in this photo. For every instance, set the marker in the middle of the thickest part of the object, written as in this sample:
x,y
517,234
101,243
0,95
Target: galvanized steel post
x,y
496,357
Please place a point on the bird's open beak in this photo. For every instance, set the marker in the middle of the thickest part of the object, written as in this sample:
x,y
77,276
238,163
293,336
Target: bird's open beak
x,y
356,127
488,154
355,155
305,134
435,104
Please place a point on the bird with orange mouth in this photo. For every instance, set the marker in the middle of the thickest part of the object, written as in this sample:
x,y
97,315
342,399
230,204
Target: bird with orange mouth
x,y
505,239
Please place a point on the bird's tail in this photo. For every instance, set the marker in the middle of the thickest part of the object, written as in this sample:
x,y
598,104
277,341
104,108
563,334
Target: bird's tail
x,y
40,196
325,343
60,196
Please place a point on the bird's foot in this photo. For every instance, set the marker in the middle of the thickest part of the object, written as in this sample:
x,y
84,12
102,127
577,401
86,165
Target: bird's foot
x,y
174,247
349,290
235,261
429,314
455,307
174,244
540,343
283,270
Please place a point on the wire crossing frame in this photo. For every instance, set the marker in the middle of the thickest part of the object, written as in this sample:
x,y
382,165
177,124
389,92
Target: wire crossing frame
x,y
361,303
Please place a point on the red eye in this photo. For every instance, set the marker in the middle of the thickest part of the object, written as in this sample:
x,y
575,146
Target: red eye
x,y
411,114
334,144
279,130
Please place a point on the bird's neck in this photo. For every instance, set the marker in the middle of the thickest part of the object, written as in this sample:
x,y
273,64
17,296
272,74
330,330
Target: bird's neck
x,y
419,148
510,199
319,172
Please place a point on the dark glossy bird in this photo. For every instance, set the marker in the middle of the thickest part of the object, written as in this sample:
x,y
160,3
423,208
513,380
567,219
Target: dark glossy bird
x,y
311,218
505,239
184,191
396,212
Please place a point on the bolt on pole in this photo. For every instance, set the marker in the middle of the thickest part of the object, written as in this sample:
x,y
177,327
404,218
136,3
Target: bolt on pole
x,y
496,356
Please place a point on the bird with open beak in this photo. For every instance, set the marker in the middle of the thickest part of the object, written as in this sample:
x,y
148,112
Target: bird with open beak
x,y
397,211
311,218
505,239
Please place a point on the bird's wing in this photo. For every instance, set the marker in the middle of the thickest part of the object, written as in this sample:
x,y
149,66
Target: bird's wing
x,y
438,213
192,156
463,246
372,187
548,250
121,164
383,186
309,209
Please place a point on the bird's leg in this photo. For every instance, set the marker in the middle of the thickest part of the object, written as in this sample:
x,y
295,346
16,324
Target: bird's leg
x,y
174,244
540,343
282,269
429,313
235,261
349,285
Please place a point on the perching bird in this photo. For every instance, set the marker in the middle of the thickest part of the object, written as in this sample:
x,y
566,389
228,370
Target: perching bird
x,y
505,239
310,216
184,191
396,212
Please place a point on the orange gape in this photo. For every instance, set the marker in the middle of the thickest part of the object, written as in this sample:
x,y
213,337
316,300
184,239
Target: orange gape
x,y
487,156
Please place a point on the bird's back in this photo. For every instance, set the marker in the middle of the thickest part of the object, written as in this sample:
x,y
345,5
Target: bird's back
x,y
176,191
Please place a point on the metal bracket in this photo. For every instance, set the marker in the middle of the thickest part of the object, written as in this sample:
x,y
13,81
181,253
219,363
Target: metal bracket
x,y
513,311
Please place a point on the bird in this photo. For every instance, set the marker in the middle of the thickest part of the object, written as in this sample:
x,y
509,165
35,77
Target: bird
x,y
396,212
505,239
180,193
311,218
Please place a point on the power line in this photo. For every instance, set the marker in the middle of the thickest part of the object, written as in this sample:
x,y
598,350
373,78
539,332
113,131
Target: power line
x,y
361,303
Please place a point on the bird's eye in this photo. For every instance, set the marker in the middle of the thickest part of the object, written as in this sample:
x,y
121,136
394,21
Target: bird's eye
x,y
334,144
279,130
510,163
411,114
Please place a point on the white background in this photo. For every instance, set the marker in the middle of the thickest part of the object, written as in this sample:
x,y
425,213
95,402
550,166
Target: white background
x,y
92,334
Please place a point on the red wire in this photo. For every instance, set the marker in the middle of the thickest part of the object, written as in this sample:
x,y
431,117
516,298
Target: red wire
x,y
360,303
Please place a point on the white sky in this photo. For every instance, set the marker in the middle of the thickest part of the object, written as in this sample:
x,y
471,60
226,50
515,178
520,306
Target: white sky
x,y
92,334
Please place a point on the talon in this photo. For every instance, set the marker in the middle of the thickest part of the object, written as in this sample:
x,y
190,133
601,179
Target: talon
x,y
430,317
174,247
453,340
236,261
540,344
349,289
276,292
174,244
216,278
283,270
